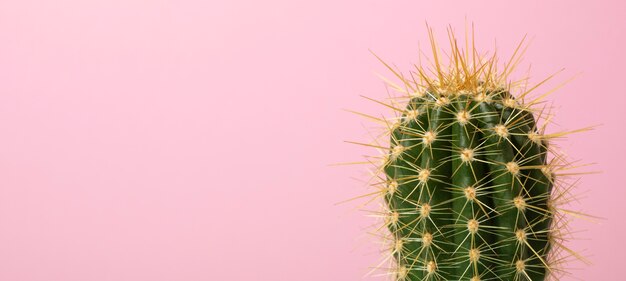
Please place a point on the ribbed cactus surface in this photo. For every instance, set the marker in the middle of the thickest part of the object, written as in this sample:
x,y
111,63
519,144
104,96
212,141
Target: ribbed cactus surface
x,y
467,195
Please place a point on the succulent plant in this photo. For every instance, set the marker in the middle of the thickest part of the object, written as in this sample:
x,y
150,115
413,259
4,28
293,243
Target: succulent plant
x,y
472,182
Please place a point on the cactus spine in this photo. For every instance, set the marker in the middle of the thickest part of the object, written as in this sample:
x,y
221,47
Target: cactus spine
x,y
469,181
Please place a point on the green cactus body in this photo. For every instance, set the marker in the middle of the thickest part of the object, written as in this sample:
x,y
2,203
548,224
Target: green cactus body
x,y
473,187
467,196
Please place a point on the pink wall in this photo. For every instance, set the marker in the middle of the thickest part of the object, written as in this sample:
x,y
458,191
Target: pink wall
x,y
189,140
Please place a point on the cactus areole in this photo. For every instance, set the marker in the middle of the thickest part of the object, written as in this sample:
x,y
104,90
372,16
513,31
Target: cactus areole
x,y
468,179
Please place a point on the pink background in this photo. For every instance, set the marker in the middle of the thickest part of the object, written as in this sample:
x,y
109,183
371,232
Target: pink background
x,y
190,140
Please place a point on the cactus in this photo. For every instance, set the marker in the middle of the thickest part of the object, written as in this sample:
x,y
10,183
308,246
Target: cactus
x,y
469,178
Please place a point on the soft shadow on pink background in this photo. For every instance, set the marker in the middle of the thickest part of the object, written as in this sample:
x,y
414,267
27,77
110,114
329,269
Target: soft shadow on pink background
x,y
189,140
